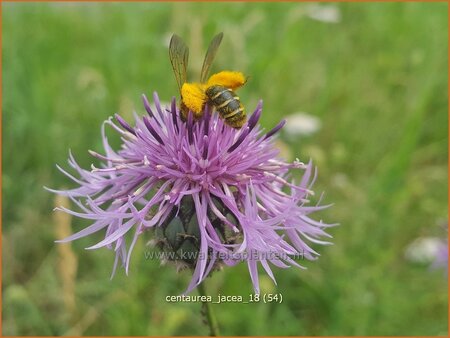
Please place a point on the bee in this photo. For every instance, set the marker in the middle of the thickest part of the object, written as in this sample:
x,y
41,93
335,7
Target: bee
x,y
217,90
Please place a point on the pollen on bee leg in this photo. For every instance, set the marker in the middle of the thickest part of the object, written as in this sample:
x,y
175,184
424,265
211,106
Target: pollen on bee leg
x,y
194,97
229,79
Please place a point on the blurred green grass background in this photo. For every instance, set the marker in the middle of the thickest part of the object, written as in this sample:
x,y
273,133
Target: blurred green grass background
x,y
376,78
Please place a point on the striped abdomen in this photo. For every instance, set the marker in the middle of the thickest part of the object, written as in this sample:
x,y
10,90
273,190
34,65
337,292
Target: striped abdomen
x,y
227,104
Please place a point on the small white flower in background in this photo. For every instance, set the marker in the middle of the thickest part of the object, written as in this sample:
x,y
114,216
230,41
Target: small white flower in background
x,y
424,250
302,124
324,13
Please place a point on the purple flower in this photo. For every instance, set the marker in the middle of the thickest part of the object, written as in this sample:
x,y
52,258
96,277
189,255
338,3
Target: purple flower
x,y
229,181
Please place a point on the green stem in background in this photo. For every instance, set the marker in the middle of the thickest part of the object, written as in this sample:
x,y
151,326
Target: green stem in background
x,y
211,319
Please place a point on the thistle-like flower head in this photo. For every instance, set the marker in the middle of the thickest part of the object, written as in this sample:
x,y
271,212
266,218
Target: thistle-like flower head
x,y
224,189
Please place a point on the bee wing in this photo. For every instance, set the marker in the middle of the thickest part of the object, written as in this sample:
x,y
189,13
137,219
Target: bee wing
x,y
179,55
209,57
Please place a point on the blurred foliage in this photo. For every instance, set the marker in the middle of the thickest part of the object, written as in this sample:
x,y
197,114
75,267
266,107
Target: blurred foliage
x,y
374,73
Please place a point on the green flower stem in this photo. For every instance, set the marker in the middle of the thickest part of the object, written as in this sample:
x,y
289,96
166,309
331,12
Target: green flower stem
x,y
212,321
